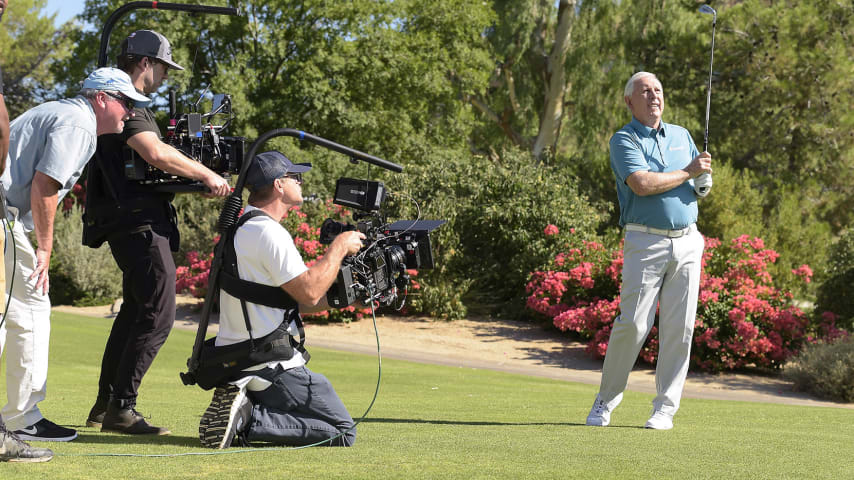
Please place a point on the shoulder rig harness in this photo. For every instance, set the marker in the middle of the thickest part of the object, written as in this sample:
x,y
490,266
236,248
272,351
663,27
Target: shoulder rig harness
x,y
226,363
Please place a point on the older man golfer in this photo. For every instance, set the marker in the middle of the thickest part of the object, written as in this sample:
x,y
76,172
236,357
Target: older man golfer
x,y
654,164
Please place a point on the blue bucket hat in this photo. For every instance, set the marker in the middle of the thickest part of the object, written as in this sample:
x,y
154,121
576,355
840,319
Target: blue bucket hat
x,y
115,80
268,166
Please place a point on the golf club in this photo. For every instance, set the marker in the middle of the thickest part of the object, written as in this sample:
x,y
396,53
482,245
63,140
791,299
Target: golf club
x,y
705,178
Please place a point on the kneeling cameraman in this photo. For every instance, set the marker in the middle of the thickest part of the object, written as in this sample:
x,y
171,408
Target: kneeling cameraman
x,y
281,402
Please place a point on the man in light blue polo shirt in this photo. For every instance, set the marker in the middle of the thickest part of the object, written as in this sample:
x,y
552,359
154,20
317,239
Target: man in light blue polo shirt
x,y
655,165
48,147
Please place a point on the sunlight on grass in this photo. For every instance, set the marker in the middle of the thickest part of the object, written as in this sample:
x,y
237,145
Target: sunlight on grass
x,y
437,422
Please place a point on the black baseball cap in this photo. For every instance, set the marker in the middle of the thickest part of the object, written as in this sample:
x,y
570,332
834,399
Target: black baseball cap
x,y
148,43
268,166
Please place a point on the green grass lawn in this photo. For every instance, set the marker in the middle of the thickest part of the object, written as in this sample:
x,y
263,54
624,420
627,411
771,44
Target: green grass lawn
x,y
436,422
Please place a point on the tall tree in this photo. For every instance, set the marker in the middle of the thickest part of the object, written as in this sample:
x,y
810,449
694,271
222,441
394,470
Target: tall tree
x,y
552,60
556,86
29,45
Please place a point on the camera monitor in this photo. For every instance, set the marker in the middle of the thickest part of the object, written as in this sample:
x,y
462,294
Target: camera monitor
x,y
415,240
363,195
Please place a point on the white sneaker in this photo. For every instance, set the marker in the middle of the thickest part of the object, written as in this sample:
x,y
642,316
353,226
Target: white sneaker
x,y
226,418
659,421
600,414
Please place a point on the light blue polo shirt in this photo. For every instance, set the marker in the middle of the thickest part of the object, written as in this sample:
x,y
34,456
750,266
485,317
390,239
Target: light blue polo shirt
x,y
55,138
635,148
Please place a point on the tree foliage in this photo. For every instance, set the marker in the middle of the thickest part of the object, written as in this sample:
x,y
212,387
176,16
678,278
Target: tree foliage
x,y
779,114
372,74
424,83
29,45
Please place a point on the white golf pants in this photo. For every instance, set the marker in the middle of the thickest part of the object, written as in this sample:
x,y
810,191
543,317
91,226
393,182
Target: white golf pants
x,y
657,271
25,336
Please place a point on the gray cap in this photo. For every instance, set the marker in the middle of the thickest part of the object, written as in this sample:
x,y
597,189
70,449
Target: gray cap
x,y
268,166
148,43
113,79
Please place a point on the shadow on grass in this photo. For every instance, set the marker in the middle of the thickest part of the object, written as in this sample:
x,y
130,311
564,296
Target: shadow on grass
x,y
119,439
482,423
541,341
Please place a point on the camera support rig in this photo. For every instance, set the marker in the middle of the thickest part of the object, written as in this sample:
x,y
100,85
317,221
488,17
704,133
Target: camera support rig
x,y
203,143
230,213
124,9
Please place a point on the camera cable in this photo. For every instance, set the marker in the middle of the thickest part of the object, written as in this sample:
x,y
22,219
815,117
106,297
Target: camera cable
x,y
360,257
7,225
260,449
360,261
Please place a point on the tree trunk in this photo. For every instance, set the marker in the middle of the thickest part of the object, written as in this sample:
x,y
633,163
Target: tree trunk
x,y
556,84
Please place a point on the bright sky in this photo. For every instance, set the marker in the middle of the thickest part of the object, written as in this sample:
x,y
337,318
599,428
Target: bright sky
x,y
65,9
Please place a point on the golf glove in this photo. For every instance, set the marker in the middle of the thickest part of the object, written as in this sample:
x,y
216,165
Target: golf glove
x,y
703,184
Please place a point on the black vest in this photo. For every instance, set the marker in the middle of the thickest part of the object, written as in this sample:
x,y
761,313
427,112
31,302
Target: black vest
x,y
116,205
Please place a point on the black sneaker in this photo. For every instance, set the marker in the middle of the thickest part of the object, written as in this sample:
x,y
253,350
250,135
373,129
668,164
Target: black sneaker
x,y
226,418
13,449
46,431
128,420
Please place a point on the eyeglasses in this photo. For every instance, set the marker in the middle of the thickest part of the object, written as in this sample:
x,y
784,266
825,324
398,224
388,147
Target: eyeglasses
x,y
128,103
297,177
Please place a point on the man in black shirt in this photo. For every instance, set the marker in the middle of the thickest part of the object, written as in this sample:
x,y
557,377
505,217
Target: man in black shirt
x,y
140,226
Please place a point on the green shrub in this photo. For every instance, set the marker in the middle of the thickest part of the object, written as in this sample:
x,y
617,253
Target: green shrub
x,y
197,218
833,293
800,237
826,370
720,216
80,275
740,205
497,212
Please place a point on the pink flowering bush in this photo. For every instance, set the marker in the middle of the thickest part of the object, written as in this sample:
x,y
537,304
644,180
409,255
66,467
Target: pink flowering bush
x,y
742,317
76,197
193,277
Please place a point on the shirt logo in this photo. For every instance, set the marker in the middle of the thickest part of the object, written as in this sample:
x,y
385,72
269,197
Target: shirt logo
x,y
680,147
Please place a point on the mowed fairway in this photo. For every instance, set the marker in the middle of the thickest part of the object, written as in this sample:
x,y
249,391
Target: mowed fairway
x,y
435,422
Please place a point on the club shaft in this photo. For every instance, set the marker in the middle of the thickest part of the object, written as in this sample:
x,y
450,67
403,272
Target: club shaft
x,y
709,90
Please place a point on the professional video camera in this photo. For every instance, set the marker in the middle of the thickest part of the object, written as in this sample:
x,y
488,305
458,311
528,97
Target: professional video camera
x,y
197,137
378,271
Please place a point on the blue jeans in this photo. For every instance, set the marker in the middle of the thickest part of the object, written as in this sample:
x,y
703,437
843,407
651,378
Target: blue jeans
x,y
299,408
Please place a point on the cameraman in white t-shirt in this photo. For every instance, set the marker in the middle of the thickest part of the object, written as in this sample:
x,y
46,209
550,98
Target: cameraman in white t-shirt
x,y
281,402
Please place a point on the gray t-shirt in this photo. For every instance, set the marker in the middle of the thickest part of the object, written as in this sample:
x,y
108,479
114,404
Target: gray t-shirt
x,y
55,138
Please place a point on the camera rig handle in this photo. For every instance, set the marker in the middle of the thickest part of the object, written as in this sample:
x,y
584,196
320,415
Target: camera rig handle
x,y
182,7
230,212
329,144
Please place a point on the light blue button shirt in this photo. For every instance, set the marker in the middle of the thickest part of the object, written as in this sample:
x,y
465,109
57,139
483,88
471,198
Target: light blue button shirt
x,y
55,138
636,148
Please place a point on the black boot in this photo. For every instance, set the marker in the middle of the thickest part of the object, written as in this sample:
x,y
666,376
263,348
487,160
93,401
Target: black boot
x,y
122,417
96,414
